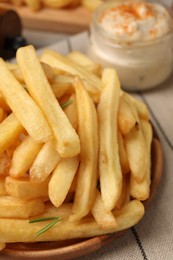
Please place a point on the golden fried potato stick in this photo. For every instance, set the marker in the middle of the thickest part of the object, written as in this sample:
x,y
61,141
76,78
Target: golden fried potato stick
x,y
141,108
103,218
48,70
35,5
2,186
25,189
62,85
125,192
15,230
88,133
61,180
2,246
23,157
5,163
16,2
45,162
3,114
57,3
67,141
92,4
141,190
10,129
126,116
25,109
3,104
83,60
123,155
10,150
109,162
71,112
136,152
11,207
91,81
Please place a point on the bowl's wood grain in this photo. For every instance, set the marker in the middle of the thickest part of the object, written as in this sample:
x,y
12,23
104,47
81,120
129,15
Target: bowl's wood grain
x,y
74,248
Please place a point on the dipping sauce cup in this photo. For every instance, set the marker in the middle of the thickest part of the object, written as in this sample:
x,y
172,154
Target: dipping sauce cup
x,y
136,38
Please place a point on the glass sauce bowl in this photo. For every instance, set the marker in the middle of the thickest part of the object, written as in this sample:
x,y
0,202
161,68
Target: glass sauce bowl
x,y
141,64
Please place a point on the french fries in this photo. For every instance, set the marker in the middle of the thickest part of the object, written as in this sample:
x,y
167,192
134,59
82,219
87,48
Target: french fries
x,y
91,81
11,207
45,162
128,216
23,157
61,180
87,173
74,149
35,5
2,186
25,189
19,102
103,219
141,190
67,141
10,129
109,162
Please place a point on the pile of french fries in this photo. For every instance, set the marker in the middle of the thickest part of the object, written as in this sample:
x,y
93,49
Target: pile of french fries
x,y
36,5
73,146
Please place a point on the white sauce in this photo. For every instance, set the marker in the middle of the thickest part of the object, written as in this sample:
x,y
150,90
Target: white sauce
x,y
127,42
136,21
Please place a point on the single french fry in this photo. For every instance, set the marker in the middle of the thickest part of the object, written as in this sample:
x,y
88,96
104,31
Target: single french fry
x,y
92,82
123,155
71,112
25,109
10,129
91,4
140,107
109,162
125,192
47,70
103,218
62,85
61,180
67,141
16,2
23,157
2,246
2,186
45,162
12,230
11,207
56,3
126,116
11,66
3,114
64,211
87,173
141,190
3,104
10,149
5,163
136,152
80,58
26,189
34,5
83,60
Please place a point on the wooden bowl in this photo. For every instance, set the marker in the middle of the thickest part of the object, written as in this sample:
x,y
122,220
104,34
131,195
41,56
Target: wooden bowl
x,y
73,248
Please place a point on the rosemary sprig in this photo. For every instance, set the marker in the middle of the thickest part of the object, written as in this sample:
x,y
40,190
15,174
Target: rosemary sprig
x,y
66,103
44,229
